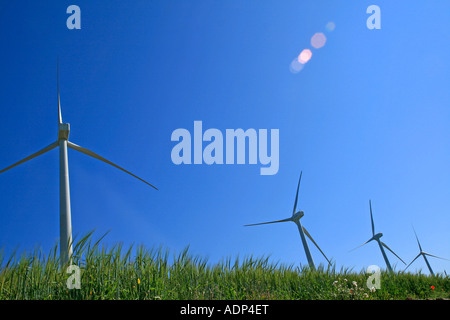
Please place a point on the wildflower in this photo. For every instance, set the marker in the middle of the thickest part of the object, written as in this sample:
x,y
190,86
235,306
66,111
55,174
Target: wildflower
x,y
139,281
355,283
335,283
432,288
373,289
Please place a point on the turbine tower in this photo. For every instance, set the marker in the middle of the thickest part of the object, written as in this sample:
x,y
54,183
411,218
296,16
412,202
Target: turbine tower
x,y
423,254
296,216
64,191
381,244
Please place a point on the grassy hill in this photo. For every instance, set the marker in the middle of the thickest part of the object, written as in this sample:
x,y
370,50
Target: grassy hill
x,y
140,273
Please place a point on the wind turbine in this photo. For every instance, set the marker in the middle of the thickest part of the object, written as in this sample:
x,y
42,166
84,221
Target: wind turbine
x,y
64,194
296,216
424,254
381,244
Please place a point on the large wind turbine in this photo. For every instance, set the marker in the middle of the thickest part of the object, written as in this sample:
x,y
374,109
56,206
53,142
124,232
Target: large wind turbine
x,y
381,244
424,254
64,194
296,216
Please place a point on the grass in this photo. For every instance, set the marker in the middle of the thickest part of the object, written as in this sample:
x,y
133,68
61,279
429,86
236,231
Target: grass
x,y
140,273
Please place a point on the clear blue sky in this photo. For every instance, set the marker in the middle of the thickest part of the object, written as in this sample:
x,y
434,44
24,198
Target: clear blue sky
x,y
367,118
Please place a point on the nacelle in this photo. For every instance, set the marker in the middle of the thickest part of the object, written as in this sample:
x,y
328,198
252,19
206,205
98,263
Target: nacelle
x,y
298,215
63,131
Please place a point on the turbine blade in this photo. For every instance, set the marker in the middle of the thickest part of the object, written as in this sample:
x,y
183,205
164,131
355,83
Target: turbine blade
x,y
257,224
96,156
309,236
296,196
412,261
34,155
361,244
417,240
371,218
432,255
385,245
57,86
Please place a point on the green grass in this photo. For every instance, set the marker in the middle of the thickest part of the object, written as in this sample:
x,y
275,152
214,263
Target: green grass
x,y
140,273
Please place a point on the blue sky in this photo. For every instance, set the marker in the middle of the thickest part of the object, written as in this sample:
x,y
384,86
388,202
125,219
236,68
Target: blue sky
x,y
366,118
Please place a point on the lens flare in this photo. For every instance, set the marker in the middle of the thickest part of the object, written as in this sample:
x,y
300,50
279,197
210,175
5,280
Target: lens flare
x,y
304,56
330,26
318,40
295,66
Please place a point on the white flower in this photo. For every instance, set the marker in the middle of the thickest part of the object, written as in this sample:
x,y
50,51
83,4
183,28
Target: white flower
x,y
355,283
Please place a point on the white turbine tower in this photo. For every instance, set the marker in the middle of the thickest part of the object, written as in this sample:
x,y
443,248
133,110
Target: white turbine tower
x,y
423,254
381,244
64,194
296,216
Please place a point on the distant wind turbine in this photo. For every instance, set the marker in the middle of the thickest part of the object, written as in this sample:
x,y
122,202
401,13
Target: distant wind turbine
x,y
424,254
381,244
65,215
296,216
